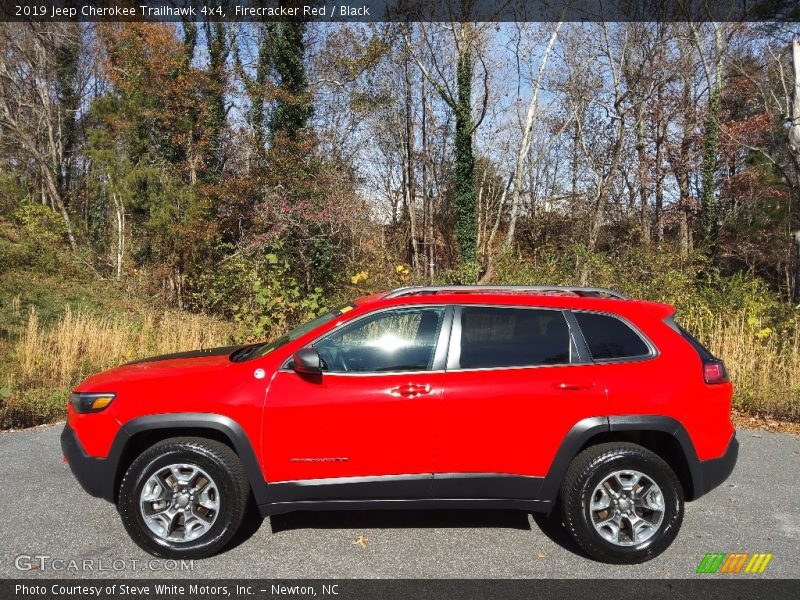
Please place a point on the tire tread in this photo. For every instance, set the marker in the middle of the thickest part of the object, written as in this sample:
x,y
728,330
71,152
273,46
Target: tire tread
x,y
214,450
580,470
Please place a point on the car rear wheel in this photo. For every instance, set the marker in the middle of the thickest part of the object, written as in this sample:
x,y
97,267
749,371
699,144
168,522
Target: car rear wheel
x,y
184,498
621,503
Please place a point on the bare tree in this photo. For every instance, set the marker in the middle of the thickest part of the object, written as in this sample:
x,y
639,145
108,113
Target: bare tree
x,y
794,147
467,40
37,69
525,142
601,144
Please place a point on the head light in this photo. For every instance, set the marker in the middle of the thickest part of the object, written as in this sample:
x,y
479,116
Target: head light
x,y
90,403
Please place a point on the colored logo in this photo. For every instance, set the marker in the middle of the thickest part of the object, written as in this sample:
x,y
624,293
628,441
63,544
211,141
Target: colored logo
x,y
734,562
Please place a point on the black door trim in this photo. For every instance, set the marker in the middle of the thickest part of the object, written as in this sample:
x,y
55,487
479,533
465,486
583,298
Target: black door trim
x,y
485,485
425,486
382,487
537,506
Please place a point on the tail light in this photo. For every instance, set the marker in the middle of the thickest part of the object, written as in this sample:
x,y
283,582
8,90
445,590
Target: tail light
x,y
714,371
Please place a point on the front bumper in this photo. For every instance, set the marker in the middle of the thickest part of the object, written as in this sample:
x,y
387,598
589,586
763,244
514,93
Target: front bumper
x,y
94,474
715,471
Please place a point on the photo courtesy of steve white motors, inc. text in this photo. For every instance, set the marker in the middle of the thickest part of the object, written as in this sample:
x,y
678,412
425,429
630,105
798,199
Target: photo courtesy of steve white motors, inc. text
x,y
165,590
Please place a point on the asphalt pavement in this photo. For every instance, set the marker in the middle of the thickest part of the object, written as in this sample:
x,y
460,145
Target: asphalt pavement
x,y
51,528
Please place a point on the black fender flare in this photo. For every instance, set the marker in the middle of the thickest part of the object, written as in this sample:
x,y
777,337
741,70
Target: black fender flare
x,y
672,427
175,422
583,431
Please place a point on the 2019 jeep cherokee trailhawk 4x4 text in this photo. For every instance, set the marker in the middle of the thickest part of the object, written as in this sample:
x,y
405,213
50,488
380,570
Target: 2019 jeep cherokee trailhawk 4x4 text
x,y
540,399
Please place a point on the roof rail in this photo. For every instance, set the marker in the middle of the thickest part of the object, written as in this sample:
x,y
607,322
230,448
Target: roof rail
x,y
581,291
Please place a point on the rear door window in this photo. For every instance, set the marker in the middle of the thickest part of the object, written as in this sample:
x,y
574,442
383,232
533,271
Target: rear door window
x,y
493,337
609,338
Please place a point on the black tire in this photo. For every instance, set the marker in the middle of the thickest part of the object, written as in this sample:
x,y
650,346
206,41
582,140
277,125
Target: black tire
x,y
219,462
588,470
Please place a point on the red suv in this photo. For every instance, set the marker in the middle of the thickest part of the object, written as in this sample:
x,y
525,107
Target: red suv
x,y
533,398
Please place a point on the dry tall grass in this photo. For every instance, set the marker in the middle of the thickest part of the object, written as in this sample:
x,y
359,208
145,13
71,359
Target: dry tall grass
x,y
48,361
764,364
80,343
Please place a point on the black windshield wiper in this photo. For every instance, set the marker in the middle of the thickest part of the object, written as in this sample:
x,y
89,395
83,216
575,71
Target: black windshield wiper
x,y
243,353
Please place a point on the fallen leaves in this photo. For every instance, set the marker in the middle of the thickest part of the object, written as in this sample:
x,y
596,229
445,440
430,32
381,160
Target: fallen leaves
x,y
361,541
744,420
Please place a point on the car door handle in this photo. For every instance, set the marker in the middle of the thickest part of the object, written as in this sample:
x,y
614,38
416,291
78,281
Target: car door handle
x,y
568,386
410,390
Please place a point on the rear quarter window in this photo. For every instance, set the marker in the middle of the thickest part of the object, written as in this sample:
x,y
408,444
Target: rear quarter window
x,y
610,338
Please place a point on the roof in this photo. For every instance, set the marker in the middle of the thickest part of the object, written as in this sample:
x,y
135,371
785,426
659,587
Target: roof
x,y
562,297
536,290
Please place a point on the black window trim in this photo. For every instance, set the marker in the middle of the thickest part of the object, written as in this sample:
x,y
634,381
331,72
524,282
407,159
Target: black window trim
x,y
653,350
454,353
704,353
439,354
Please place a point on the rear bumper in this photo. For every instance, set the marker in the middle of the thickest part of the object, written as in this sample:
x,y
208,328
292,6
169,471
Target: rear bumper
x,y
714,472
93,474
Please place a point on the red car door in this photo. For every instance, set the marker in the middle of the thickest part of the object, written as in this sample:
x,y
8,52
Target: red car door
x,y
516,384
362,429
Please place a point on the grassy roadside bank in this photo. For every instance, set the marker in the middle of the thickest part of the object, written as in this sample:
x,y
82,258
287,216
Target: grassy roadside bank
x,y
48,357
764,364
54,333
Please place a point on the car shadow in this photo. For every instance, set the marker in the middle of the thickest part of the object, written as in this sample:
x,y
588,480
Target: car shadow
x,y
549,525
251,523
400,519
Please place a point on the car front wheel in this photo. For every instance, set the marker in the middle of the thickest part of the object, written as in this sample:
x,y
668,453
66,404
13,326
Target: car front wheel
x,y
621,503
184,498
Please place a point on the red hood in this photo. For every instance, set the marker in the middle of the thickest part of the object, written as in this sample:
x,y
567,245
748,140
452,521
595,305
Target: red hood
x,y
200,367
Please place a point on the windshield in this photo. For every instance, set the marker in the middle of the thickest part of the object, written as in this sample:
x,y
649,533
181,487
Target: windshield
x,y
259,350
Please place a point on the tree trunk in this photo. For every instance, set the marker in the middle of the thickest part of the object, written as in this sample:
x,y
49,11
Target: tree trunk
x,y
709,217
574,170
659,171
603,188
119,211
525,143
709,220
466,226
794,148
641,152
680,162
427,203
409,191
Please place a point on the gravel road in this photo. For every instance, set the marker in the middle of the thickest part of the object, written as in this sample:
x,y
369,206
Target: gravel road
x,y
46,513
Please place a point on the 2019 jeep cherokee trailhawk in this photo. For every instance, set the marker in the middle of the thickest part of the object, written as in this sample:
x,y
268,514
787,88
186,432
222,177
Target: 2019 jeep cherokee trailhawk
x,y
533,398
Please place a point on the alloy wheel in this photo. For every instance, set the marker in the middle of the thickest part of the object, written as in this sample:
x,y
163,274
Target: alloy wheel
x,y
179,502
627,508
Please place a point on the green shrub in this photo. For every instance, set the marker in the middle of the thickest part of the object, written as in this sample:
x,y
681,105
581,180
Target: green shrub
x,y
41,238
260,293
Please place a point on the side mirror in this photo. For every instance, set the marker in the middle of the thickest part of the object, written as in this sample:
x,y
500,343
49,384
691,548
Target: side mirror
x,y
307,361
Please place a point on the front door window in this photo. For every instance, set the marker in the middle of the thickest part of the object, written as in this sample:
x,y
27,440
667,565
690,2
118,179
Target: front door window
x,y
389,341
